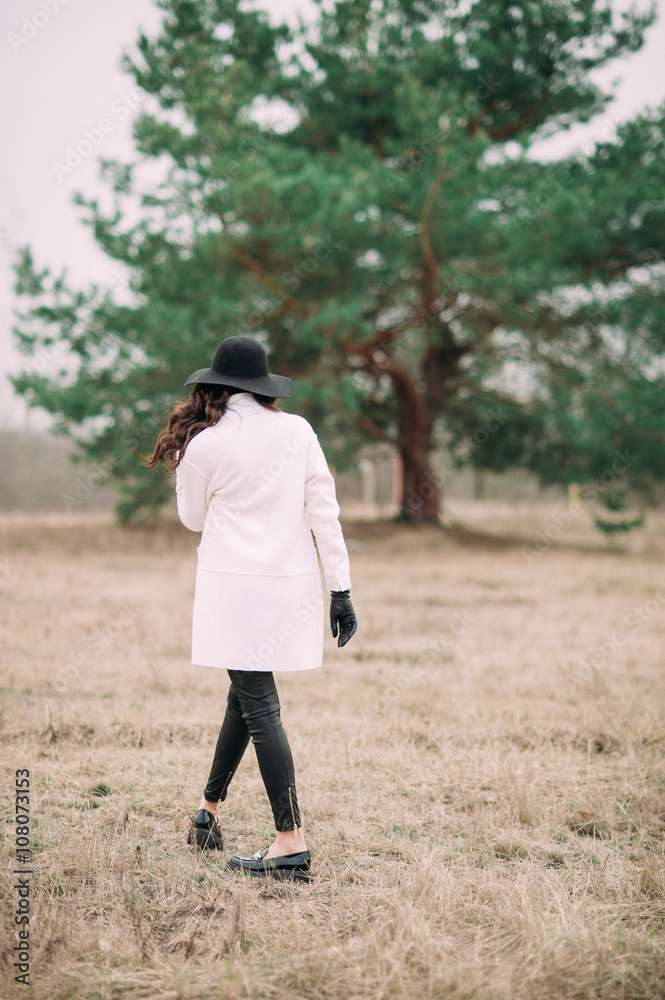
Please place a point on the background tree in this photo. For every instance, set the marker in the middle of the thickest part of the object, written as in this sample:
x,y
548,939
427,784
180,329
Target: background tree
x,y
360,197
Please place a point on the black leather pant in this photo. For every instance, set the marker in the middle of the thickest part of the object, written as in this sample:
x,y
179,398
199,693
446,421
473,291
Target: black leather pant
x,y
253,711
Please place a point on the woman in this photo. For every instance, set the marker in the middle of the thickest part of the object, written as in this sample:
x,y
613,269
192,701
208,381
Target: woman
x,y
255,481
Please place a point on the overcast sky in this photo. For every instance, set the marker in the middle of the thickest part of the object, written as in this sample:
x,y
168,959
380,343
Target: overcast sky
x,y
60,76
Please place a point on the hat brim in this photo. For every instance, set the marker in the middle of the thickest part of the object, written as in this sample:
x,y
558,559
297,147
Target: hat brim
x,y
267,385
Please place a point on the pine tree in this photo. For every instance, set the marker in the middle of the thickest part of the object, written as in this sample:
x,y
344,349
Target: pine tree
x,y
362,200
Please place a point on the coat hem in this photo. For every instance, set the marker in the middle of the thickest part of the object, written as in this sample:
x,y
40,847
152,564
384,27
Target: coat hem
x,y
280,576
261,670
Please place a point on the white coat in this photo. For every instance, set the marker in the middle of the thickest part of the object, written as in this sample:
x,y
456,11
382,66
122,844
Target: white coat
x,y
257,485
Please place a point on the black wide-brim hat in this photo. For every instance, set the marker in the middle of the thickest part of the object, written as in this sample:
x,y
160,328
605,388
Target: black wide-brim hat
x,y
242,362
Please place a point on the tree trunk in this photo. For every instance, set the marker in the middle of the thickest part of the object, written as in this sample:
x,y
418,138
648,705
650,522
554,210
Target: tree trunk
x,y
420,489
421,483
419,402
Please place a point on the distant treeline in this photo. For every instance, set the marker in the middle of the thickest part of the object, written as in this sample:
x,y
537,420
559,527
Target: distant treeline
x,y
39,474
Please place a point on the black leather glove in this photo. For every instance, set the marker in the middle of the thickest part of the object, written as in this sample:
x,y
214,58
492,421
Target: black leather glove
x,y
342,615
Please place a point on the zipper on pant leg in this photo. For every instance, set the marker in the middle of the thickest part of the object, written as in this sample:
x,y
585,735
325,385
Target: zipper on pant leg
x,y
221,795
293,816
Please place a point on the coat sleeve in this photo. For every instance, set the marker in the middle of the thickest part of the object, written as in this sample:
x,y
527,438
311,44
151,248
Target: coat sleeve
x,y
191,495
323,516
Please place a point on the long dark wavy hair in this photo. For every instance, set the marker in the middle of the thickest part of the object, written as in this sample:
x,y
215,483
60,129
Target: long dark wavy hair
x,y
202,408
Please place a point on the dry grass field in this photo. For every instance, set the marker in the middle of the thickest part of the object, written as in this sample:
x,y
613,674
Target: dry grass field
x,y
480,771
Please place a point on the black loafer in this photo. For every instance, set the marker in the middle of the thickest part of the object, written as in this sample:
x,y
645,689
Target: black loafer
x,y
205,832
286,866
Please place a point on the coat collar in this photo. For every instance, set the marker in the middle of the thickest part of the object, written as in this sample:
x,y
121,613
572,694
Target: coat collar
x,y
242,400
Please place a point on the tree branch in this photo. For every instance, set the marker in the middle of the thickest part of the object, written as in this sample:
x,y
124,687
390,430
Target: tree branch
x,y
377,141
500,133
431,263
378,433
407,389
365,349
